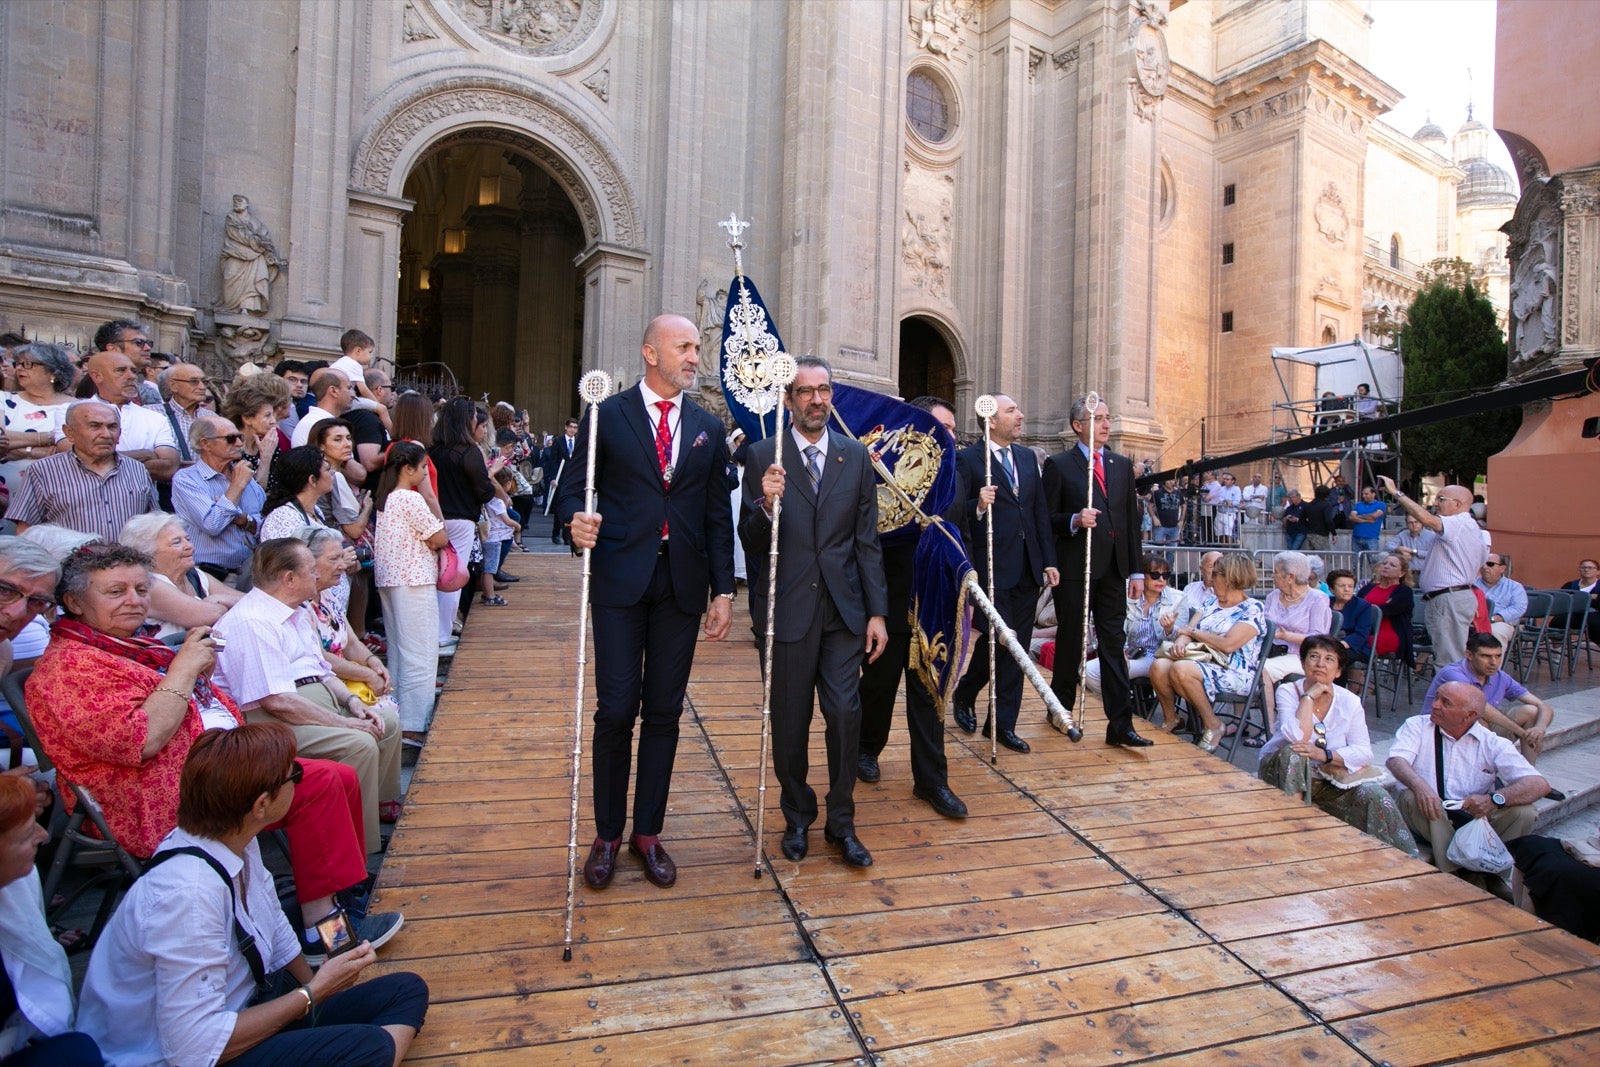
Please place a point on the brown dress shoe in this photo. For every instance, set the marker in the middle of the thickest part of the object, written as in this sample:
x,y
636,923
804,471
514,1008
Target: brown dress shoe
x,y
658,866
601,864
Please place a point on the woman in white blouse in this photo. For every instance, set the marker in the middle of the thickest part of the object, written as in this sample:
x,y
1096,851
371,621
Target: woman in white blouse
x,y
31,418
1322,732
182,596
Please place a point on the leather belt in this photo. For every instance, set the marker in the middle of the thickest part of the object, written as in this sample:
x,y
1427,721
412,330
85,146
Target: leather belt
x,y
1441,592
313,680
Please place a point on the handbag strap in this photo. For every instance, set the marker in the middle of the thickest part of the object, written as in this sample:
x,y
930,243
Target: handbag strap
x,y
246,943
1438,759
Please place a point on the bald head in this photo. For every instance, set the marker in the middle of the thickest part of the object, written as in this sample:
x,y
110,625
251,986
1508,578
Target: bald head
x,y
94,428
1456,707
671,351
115,380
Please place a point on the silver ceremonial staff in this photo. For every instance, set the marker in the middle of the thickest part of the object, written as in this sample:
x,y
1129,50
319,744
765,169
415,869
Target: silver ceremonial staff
x,y
1093,403
1007,636
986,406
593,388
781,370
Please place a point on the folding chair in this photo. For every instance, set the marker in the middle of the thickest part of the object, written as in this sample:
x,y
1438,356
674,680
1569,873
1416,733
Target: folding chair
x,y
1555,631
1336,627
108,863
1532,631
1254,695
1575,631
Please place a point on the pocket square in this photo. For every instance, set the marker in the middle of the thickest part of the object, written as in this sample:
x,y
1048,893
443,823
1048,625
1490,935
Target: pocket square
x,y
700,440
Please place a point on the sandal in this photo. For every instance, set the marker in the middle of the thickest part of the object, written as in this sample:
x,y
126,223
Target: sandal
x,y
71,941
495,601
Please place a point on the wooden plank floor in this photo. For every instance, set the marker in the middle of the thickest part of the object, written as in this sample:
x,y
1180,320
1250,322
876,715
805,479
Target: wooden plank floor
x,y
1099,906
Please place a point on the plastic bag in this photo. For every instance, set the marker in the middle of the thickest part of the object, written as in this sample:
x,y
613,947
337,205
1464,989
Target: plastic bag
x,y
1478,848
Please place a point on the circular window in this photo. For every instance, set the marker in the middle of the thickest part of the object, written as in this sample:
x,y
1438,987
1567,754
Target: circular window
x,y
928,106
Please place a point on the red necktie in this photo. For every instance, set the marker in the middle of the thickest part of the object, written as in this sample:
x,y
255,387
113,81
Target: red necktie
x,y
1100,474
664,449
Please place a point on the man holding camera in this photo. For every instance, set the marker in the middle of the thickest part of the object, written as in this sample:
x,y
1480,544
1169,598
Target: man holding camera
x,y
219,497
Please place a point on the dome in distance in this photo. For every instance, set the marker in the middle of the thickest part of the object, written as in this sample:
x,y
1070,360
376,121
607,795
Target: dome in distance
x,y
1429,133
1485,183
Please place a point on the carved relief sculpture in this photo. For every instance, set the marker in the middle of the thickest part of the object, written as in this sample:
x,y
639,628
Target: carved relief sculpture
x,y
1533,291
708,312
242,344
414,26
1151,64
925,244
1332,221
599,83
532,27
250,261
939,26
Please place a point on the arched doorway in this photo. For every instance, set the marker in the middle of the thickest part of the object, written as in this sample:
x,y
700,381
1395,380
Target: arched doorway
x,y
927,366
490,300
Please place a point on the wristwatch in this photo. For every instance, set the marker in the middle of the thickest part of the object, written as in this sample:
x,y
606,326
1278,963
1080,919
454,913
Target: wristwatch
x,y
1498,799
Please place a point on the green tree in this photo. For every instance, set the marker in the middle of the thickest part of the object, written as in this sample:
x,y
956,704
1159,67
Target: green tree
x,y
1452,345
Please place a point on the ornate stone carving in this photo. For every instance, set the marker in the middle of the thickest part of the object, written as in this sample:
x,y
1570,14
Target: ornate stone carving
x,y
414,26
1535,253
1035,57
708,314
242,340
1151,65
1066,60
938,25
541,28
250,261
925,245
554,136
599,83
1332,220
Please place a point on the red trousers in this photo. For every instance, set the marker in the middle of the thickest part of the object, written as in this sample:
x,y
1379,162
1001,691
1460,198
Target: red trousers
x,y
327,847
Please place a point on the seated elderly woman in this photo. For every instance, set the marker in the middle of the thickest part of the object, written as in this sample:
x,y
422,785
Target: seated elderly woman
x,y
182,596
118,713
1149,622
1322,732
1228,634
35,977
198,964
352,661
1297,609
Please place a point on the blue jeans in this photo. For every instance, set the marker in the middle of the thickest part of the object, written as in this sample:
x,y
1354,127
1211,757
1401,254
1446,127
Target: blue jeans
x,y
1165,535
1296,537
71,1049
346,1029
1363,544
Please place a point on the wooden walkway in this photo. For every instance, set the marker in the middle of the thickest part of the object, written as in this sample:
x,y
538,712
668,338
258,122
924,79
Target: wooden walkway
x,y
1099,906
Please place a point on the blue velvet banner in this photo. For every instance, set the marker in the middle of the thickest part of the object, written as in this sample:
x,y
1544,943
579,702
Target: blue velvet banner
x,y
918,452
941,631
749,341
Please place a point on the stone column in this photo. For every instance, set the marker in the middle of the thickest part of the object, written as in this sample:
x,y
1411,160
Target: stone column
x,y
614,311
372,255
452,275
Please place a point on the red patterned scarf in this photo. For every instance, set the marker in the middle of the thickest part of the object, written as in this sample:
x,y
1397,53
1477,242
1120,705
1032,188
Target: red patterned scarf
x,y
145,651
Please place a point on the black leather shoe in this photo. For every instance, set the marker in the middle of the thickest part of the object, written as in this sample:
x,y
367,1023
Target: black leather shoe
x,y
867,768
965,717
601,864
1009,739
1555,794
850,849
658,866
795,845
1124,737
506,578
941,800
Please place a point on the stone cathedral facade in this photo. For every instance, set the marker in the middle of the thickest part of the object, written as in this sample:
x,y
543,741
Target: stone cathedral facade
x,y
1039,197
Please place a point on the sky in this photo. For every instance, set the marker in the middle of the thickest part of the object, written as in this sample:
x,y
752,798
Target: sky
x,y
1425,49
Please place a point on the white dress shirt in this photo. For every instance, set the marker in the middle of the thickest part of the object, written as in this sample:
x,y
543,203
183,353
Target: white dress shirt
x,y
1457,556
144,429
269,646
674,419
167,980
36,966
1471,764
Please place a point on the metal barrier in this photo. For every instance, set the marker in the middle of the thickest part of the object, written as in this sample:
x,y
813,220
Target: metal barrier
x,y
1185,562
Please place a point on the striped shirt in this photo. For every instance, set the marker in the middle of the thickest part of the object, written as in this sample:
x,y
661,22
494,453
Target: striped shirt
x,y
60,489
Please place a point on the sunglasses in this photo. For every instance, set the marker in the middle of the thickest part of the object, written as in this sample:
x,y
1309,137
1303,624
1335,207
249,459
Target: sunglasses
x,y
297,772
1157,576
231,438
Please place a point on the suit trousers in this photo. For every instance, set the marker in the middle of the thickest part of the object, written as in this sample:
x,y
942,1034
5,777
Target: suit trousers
x,y
1017,607
642,656
880,683
825,662
1109,607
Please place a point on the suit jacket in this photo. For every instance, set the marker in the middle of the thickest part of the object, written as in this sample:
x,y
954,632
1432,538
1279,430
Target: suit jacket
x,y
1023,545
1066,482
551,457
828,539
634,505
899,561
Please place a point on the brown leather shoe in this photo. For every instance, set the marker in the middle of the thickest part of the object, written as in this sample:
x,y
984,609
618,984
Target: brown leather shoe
x,y
658,866
601,864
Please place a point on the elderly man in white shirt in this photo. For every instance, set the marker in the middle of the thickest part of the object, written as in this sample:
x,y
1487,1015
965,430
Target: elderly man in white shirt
x,y
198,964
146,436
1475,759
1453,564
272,665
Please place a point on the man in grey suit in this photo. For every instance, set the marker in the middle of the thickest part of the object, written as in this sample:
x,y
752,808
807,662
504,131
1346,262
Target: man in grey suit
x,y
831,600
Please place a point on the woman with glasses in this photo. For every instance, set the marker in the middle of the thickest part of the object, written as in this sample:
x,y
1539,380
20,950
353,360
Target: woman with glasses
x,y
118,713
1229,634
1150,622
1322,734
31,418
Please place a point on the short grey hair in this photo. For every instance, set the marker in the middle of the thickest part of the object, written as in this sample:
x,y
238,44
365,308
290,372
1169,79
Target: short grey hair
x,y
1079,411
1296,565
316,537
203,429
52,358
19,555
143,531
802,362
58,541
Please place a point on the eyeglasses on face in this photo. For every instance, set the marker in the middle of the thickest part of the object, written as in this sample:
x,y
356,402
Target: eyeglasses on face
x,y
297,772
137,342
1157,576
10,594
804,393
231,438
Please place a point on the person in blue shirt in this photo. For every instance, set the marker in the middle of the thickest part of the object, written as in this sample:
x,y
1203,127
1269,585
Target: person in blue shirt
x,y
1366,523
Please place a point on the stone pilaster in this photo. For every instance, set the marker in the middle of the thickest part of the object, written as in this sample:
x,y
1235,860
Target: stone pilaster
x,y
372,258
614,314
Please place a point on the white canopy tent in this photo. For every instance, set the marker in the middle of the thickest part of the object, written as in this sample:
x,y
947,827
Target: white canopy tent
x,y
1342,367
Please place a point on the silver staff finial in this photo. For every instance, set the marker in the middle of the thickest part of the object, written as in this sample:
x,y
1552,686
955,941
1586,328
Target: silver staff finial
x,y
986,406
736,226
594,386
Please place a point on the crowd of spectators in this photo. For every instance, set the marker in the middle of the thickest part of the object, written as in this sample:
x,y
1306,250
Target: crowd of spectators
x,y
225,594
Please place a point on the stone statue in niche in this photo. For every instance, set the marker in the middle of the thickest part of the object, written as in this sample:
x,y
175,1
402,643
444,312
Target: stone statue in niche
x,y
708,312
244,343
250,261
1533,292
